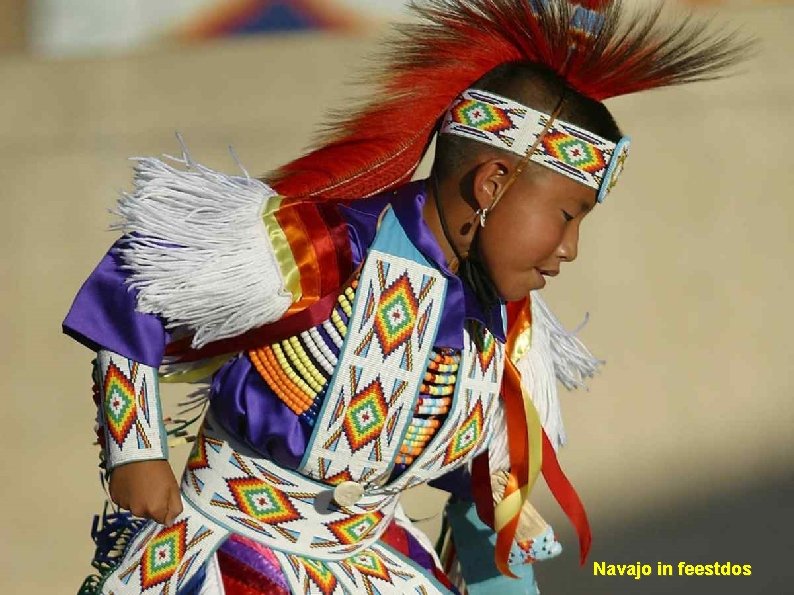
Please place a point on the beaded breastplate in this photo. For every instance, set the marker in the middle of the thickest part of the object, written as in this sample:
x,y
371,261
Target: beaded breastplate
x,y
372,385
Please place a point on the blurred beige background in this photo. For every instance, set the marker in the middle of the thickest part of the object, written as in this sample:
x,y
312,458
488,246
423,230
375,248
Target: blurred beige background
x,y
682,450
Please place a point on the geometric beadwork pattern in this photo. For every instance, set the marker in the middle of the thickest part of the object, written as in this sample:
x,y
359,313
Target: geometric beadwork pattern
x,y
467,429
577,154
485,119
377,570
574,151
354,529
162,556
319,573
365,416
160,560
466,437
120,410
198,456
278,507
486,349
130,414
372,396
506,124
371,565
395,315
262,501
483,116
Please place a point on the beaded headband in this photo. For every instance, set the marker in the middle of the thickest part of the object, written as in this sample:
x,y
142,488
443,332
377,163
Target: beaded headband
x,y
565,148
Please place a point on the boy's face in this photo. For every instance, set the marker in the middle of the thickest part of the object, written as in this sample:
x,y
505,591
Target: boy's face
x,y
532,230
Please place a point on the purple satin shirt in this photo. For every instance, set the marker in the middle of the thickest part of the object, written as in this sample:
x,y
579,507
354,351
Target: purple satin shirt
x,y
104,315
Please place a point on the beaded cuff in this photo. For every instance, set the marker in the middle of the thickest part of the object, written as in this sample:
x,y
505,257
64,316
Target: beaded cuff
x,y
130,415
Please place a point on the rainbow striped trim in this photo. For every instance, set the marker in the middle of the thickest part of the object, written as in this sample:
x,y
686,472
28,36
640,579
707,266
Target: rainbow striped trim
x,y
567,149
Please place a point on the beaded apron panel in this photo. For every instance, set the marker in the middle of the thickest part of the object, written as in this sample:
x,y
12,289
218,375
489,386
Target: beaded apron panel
x,y
371,398
277,507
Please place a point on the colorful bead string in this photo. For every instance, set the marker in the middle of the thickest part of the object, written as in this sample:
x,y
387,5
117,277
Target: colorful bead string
x,y
298,369
435,399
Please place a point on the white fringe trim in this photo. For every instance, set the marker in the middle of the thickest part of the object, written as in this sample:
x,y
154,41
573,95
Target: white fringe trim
x,y
199,255
573,361
554,354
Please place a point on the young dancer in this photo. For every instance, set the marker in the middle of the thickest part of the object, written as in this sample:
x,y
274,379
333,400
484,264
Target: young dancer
x,y
362,333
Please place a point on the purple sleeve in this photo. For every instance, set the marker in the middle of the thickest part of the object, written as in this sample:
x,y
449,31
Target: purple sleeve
x,y
103,316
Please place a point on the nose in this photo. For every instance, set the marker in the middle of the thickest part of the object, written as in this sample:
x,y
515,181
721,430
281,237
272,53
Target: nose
x,y
568,249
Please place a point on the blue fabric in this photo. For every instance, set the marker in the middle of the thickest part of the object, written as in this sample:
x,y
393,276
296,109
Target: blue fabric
x,y
475,545
196,582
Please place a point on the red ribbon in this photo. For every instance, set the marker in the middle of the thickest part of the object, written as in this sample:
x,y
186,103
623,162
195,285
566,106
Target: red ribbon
x,y
566,497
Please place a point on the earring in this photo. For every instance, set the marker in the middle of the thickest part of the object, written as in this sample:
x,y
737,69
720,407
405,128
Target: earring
x,y
483,213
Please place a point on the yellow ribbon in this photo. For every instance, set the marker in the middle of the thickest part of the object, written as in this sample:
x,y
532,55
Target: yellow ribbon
x,y
282,249
191,375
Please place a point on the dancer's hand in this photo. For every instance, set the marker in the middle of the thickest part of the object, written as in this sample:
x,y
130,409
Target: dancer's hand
x,y
148,489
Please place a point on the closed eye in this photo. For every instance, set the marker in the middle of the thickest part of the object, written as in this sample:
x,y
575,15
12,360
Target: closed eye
x,y
567,215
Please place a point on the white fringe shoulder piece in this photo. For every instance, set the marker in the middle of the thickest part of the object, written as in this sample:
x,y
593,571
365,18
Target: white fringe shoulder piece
x,y
555,354
197,250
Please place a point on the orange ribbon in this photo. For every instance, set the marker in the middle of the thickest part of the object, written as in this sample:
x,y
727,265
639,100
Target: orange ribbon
x,y
530,451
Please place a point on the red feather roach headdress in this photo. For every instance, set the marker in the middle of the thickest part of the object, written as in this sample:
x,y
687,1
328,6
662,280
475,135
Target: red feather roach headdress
x,y
594,45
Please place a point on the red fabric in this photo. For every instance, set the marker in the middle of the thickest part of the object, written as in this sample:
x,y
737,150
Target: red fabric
x,y
443,579
302,247
335,256
518,312
264,335
566,497
481,489
594,4
397,538
240,579
518,450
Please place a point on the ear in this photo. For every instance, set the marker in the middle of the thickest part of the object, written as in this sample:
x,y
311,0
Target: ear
x,y
489,179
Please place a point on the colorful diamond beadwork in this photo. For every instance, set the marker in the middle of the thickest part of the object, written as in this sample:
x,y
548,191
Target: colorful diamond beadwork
x,y
565,148
371,565
163,554
482,116
365,416
320,575
574,151
467,436
120,407
355,528
262,501
396,314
